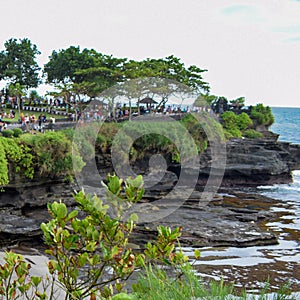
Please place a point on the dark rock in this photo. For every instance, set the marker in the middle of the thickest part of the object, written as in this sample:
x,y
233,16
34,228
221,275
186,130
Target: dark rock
x,y
249,162
226,220
259,162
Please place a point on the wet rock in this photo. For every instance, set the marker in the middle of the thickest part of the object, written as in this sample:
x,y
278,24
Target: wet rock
x,y
224,220
220,223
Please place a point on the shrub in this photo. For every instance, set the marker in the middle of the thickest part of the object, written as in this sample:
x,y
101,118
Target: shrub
x,y
17,132
3,165
87,241
17,156
229,119
7,133
228,135
252,134
262,115
52,154
16,281
243,121
233,132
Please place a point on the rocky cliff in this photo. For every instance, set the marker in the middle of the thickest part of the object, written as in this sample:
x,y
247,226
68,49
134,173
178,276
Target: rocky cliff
x,y
248,163
252,162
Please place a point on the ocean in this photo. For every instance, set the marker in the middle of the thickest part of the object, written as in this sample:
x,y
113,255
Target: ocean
x,y
287,124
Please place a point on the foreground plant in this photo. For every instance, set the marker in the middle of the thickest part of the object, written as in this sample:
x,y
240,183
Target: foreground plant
x,y
89,245
17,283
159,284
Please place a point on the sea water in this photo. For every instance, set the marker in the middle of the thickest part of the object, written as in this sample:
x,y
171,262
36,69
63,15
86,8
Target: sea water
x,y
287,124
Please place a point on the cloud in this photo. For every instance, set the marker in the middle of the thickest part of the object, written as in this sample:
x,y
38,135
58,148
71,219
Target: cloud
x,y
290,33
288,29
294,39
244,12
237,9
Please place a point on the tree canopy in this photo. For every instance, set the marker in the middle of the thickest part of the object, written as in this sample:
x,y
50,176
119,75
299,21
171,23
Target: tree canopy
x,y
18,64
96,72
62,65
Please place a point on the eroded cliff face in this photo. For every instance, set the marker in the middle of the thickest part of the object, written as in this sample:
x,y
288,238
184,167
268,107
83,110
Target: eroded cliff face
x,y
252,162
260,162
23,204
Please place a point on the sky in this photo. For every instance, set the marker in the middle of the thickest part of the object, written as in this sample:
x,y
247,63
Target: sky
x,y
250,48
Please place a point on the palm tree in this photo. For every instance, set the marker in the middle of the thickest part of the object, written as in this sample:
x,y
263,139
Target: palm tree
x,y
17,90
32,96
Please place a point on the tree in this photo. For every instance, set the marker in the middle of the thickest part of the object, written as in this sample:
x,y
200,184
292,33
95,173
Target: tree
x,y
167,73
262,115
64,91
18,91
94,72
33,95
62,65
238,103
169,67
17,63
219,105
106,72
205,100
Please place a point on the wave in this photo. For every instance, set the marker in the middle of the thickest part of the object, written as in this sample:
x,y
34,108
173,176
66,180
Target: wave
x,y
289,191
296,176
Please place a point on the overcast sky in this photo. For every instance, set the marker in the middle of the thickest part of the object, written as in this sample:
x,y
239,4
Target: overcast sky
x,y
250,48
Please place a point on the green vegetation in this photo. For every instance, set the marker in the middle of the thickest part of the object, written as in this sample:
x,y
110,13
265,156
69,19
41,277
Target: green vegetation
x,y
48,155
170,138
262,115
86,247
242,125
157,283
77,74
178,140
252,134
17,132
18,65
90,72
7,133
235,124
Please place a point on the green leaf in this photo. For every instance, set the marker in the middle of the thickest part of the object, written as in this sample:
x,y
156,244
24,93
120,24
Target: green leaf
x,y
133,218
122,296
61,211
114,184
36,280
197,254
82,259
72,214
114,251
